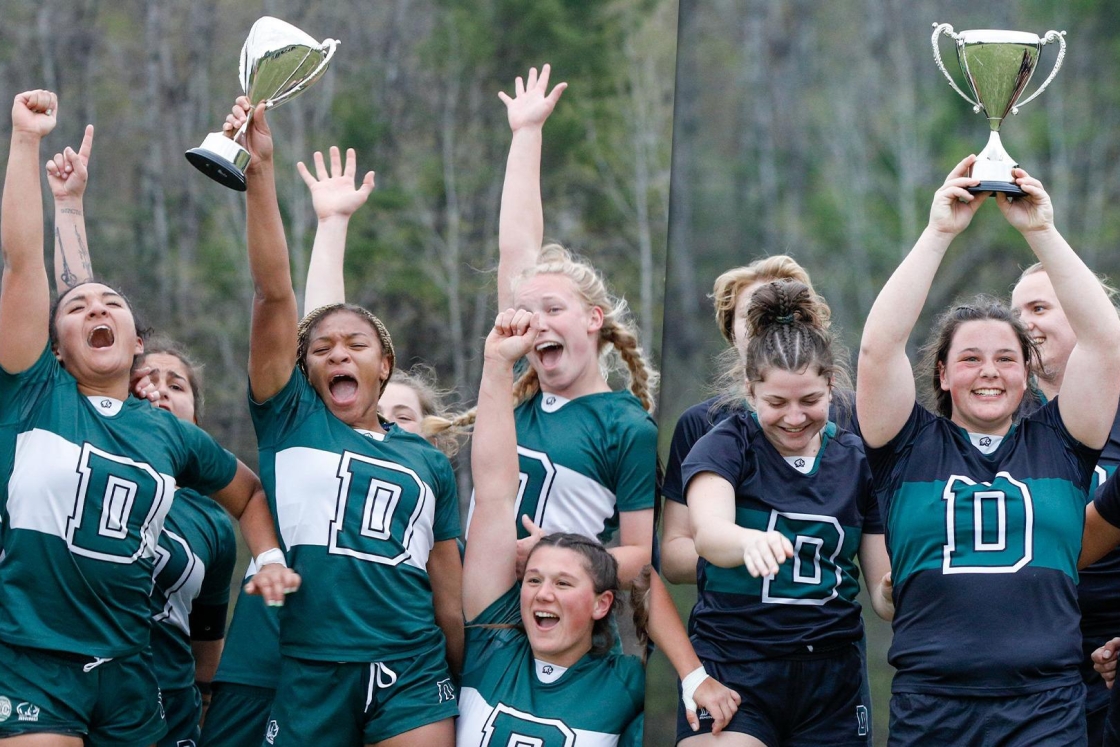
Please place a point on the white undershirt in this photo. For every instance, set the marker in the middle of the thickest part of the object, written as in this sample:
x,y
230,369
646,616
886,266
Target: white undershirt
x,y
547,672
106,406
984,442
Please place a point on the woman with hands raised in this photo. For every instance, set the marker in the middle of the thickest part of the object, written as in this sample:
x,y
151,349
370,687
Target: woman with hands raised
x,y
538,652
87,488
983,512
350,672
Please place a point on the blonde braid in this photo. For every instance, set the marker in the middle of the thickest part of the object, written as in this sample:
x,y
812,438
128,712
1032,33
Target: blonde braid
x,y
643,377
526,386
433,426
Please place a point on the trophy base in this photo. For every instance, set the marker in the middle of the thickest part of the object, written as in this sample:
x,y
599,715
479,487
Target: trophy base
x,y
217,168
1008,188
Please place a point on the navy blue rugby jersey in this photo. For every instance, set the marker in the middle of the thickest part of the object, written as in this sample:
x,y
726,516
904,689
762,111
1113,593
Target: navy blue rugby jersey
x,y
701,418
810,606
984,555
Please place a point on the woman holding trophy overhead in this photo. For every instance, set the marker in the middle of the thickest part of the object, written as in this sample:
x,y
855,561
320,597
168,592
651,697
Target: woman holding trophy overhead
x,y
983,513
373,509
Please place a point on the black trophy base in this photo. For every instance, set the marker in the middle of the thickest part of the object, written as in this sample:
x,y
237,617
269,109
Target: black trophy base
x,y
1011,189
217,168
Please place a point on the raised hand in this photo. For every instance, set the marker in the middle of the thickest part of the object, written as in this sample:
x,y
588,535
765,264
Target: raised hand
x,y
953,205
513,335
1031,213
35,113
532,103
67,172
140,384
763,552
526,545
333,194
258,138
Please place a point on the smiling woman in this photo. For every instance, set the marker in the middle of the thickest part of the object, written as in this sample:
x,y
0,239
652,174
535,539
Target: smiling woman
x,y
985,511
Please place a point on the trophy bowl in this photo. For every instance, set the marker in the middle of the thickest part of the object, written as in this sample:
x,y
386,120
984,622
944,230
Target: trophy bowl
x,y
997,66
278,62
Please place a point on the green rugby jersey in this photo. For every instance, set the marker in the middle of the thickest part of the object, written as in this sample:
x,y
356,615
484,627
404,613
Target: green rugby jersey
x,y
583,461
357,515
598,702
195,559
83,501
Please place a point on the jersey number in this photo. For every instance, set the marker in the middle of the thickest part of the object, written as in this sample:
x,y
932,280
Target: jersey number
x,y
117,500
378,506
811,577
989,527
508,727
537,474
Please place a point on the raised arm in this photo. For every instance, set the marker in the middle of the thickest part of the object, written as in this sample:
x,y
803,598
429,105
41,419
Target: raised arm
x,y
885,381
67,176
521,224
335,199
490,565
272,340
1090,386
25,296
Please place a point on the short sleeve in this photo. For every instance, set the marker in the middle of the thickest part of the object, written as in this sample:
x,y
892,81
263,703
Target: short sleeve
x,y
636,480
496,626
446,525
691,426
1107,500
207,467
284,411
723,450
21,391
215,584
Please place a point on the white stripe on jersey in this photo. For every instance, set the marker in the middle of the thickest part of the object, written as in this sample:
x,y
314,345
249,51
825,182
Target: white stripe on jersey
x,y
475,715
577,504
43,489
306,495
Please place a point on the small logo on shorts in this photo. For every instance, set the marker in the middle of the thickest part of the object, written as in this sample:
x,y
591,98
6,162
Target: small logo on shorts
x,y
185,743
446,690
703,715
861,720
5,708
272,731
27,712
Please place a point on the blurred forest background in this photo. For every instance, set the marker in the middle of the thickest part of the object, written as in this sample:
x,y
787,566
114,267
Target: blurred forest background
x,y
413,88
821,130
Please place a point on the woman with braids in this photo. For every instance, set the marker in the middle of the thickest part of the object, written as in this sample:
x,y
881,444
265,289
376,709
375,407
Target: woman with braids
x,y
539,667
245,685
597,478
780,502
731,295
369,506
88,481
985,514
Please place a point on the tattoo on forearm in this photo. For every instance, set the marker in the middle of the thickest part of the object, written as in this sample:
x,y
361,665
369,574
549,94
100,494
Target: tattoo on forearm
x,y
67,276
70,211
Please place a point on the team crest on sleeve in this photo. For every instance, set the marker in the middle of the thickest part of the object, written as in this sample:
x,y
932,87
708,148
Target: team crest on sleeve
x,y
446,690
509,727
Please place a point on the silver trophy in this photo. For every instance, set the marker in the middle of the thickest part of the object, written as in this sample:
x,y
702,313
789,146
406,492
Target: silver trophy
x,y
278,62
997,66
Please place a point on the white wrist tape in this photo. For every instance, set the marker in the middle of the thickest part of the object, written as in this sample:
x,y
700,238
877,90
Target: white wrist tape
x,y
270,557
689,685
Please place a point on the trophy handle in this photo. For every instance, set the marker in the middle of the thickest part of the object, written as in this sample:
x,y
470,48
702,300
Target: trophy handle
x,y
328,45
1051,36
947,29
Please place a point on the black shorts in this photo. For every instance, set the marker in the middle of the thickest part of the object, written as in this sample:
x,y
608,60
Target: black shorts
x,y
790,702
1055,718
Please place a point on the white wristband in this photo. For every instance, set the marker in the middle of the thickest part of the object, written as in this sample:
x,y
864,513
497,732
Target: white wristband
x,y
270,557
689,684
